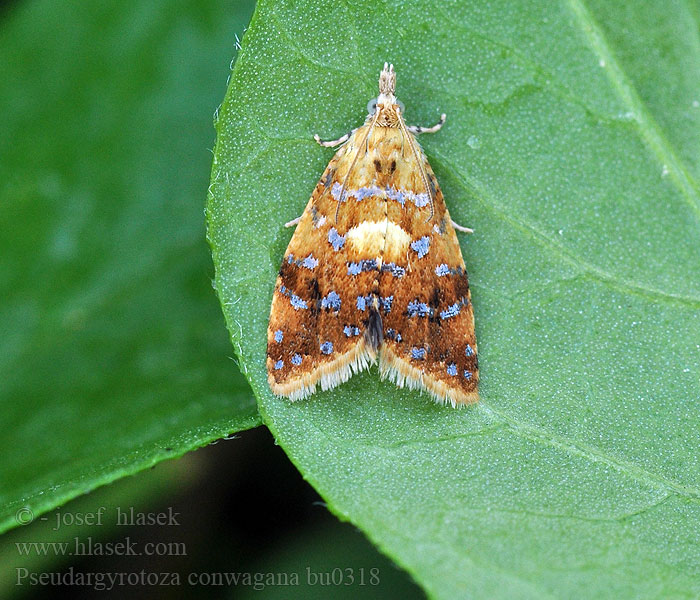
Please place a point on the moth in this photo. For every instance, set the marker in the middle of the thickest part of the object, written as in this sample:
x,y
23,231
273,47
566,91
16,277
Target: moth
x,y
374,271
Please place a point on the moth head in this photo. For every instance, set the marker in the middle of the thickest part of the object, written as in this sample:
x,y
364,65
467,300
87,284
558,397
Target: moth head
x,y
387,87
387,81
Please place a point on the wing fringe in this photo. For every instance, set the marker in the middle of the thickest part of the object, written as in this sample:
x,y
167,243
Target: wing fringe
x,y
328,375
404,374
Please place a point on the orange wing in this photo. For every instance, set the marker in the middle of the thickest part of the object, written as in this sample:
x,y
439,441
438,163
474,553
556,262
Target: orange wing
x,y
429,339
321,311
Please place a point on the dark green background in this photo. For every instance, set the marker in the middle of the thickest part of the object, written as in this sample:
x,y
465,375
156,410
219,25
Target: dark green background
x,y
113,350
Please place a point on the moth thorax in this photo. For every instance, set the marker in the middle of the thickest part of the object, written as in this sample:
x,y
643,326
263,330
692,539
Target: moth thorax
x,y
387,117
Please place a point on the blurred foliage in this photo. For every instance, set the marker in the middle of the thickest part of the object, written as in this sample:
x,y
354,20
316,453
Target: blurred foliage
x,y
113,354
336,560
277,526
49,542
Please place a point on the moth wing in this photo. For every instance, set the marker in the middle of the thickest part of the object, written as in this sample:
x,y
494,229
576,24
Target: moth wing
x,y
429,338
316,334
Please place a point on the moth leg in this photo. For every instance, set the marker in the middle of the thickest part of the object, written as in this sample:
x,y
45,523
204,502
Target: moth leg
x,y
461,228
333,143
416,129
293,222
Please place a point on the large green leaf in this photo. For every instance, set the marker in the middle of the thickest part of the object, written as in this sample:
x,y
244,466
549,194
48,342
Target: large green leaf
x,y
113,354
571,146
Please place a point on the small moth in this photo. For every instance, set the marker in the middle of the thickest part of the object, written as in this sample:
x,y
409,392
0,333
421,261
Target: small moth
x,y
374,271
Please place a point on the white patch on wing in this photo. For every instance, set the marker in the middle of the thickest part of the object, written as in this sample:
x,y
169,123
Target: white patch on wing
x,y
370,238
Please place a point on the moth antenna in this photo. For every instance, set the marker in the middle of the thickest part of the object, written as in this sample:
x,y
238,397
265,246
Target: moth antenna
x,y
403,141
354,160
421,170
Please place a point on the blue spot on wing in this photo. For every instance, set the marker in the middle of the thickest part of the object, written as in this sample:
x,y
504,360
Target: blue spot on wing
x,y
336,190
310,262
364,301
420,200
386,303
418,353
279,364
442,270
452,369
397,195
421,246
296,359
279,335
451,311
366,192
351,330
297,302
396,270
355,268
418,309
332,301
327,347
336,240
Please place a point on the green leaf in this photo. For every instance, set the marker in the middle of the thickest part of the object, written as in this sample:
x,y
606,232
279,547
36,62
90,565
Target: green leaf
x,y
113,354
571,147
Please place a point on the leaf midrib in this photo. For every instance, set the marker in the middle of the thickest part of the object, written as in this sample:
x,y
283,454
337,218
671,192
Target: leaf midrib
x,y
648,131
654,139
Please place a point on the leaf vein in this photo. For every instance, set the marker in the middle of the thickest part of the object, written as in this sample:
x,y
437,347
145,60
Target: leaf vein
x,y
650,131
606,277
593,454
